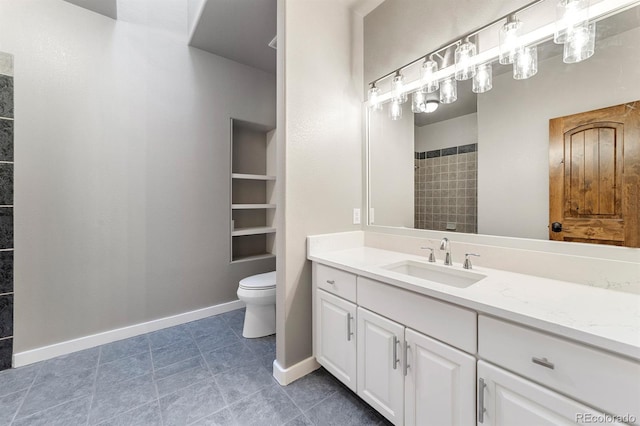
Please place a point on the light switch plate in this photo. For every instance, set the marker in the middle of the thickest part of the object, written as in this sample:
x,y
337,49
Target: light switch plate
x,y
356,216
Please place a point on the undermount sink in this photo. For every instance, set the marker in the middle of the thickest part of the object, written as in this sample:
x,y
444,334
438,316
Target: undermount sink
x,y
434,273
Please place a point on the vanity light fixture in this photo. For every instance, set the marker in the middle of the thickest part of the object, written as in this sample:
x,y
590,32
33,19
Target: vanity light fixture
x,y
580,45
397,86
395,110
427,71
525,64
374,93
570,16
431,105
448,90
483,80
509,39
463,56
418,101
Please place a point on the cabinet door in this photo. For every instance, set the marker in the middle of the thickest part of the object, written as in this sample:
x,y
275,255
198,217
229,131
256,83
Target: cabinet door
x,y
439,383
505,399
335,339
380,378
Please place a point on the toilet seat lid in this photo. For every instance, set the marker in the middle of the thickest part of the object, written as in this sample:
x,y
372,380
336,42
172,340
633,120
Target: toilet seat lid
x,y
260,281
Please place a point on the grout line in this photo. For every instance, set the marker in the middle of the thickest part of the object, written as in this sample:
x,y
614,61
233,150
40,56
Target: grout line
x,y
7,118
153,379
26,395
7,249
52,407
95,385
6,294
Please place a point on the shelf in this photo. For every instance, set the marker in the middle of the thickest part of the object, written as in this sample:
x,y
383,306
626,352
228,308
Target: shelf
x,y
253,257
252,206
253,231
252,177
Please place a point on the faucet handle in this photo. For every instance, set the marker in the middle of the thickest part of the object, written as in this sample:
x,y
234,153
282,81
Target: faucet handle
x,y
467,262
432,257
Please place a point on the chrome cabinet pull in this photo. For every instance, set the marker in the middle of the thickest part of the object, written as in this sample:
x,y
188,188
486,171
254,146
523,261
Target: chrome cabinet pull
x,y
543,362
396,360
349,332
332,282
481,409
406,359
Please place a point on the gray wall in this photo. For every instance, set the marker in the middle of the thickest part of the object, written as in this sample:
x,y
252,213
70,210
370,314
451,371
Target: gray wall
x,y
443,134
319,153
123,186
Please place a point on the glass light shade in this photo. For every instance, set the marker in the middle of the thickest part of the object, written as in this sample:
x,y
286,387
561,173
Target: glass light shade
x,y
570,15
448,91
580,45
427,75
525,63
418,101
374,94
397,86
509,41
483,80
463,55
395,110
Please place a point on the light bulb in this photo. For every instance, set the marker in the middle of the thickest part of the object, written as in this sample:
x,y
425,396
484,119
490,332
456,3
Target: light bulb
x,y
483,80
525,64
395,110
448,91
431,106
463,55
570,15
397,86
580,45
374,98
427,74
509,40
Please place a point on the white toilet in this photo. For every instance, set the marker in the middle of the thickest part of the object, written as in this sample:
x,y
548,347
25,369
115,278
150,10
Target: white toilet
x,y
258,292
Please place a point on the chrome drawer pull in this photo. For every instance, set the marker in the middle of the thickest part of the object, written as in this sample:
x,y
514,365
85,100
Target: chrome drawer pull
x,y
406,359
349,332
481,409
543,362
396,360
332,282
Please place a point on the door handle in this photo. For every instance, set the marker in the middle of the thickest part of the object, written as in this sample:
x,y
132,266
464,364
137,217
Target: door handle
x,y
481,409
556,227
349,332
396,360
406,365
543,362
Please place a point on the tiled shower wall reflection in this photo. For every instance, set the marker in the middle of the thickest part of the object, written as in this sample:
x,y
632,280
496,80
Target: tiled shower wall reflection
x,y
446,189
6,210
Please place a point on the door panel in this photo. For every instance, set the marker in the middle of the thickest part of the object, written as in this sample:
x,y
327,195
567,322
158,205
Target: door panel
x,y
334,346
594,172
380,379
440,383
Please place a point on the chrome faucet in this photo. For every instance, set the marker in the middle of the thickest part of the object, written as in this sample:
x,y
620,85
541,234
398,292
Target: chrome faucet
x,y
444,245
432,257
467,262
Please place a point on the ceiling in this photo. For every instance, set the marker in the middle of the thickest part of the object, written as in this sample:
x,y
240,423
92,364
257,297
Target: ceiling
x,y
104,7
238,30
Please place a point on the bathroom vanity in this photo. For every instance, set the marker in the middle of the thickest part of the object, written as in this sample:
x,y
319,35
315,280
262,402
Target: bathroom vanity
x,y
428,344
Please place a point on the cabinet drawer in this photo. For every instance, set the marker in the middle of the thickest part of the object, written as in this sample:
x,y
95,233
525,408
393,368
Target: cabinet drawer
x,y
447,323
603,380
335,281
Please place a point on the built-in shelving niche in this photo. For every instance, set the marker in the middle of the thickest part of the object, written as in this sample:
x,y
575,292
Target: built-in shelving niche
x,y
253,198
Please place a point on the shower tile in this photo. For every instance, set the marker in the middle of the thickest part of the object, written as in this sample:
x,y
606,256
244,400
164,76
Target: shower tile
x,y
6,351
6,272
6,96
467,148
449,151
6,227
433,154
6,184
6,315
6,140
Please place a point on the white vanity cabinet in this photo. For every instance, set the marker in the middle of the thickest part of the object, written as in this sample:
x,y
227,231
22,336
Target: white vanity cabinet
x,y
334,323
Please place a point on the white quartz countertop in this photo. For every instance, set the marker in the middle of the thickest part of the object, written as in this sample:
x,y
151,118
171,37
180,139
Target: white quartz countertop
x,y
599,317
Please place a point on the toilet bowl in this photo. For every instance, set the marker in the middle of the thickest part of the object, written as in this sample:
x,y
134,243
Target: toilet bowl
x,y
258,292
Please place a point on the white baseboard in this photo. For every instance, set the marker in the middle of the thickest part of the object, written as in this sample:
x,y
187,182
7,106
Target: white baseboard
x,y
47,352
284,376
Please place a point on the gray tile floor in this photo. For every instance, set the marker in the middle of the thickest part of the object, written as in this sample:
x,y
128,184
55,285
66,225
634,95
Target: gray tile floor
x,y
200,373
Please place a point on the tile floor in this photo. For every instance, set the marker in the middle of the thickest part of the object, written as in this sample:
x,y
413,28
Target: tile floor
x,y
200,373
